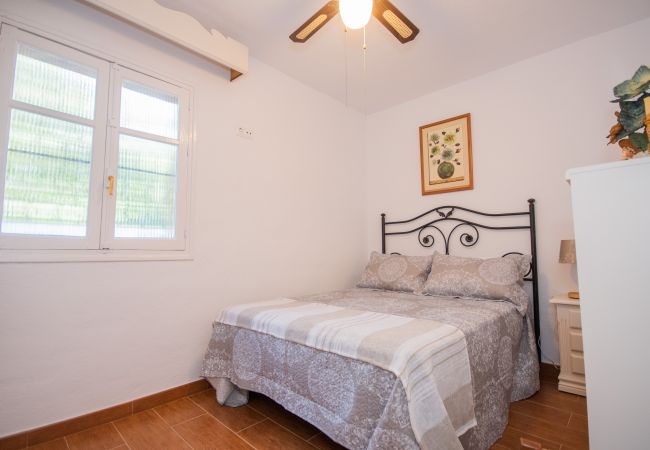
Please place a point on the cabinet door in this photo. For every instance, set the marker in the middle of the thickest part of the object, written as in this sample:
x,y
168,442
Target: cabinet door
x,y
612,233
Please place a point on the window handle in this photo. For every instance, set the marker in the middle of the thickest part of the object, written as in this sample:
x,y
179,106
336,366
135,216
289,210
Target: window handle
x,y
111,184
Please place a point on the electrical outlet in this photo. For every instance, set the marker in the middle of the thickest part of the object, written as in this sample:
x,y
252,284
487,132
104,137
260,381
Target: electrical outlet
x,y
245,133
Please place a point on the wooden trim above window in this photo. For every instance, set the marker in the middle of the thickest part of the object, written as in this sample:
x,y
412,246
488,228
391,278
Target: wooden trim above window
x,y
180,29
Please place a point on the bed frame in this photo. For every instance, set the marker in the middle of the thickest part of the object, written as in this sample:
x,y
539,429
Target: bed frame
x,y
466,222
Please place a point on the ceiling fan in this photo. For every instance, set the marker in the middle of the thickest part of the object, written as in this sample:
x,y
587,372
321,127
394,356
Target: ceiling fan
x,y
352,12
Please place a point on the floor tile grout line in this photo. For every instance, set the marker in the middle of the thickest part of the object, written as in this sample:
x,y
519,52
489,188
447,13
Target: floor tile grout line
x,y
277,423
250,444
531,400
118,446
155,408
121,435
186,420
222,423
182,438
227,427
256,423
282,426
246,440
286,428
289,430
309,441
554,407
170,427
315,436
534,434
250,426
566,396
536,419
318,434
257,410
564,427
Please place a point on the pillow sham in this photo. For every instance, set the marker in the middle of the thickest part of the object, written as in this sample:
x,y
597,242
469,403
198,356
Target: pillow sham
x,y
396,272
493,278
522,261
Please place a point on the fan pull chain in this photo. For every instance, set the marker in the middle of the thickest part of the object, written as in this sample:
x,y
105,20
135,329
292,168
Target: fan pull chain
x,y
365,73
345,55
365,47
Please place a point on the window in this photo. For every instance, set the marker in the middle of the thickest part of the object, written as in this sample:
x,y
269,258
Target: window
x,y
93,155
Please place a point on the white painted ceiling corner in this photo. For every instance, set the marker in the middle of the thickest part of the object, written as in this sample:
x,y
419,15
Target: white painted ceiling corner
x,y
179,28
459,40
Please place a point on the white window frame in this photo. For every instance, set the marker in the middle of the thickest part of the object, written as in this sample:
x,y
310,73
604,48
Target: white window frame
x,y
10,38
119,75
99,244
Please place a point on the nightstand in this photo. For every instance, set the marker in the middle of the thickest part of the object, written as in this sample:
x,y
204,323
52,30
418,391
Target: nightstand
x,y
572,361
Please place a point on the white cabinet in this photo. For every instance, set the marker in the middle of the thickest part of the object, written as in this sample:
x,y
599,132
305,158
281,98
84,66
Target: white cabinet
x,y
569,329
611,213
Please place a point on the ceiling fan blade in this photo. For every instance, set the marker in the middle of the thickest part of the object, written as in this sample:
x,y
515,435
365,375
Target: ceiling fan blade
x,y
396,22
315,22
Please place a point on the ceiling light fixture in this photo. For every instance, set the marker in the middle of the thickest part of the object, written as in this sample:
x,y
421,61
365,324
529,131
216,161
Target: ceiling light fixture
x,y
355,13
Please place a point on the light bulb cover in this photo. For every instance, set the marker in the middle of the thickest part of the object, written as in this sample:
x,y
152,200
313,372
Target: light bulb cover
x,y
355,13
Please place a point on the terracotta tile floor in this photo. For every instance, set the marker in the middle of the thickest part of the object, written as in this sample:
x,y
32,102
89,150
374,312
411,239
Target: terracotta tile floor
x,y
555,419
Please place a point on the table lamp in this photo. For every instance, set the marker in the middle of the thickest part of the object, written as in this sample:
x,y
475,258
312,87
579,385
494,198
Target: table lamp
x,y
568,256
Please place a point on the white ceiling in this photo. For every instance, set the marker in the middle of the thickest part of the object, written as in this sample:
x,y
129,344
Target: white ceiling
x,y
458,40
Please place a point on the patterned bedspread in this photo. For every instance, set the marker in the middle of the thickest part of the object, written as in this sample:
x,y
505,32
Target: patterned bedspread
x,y
361,405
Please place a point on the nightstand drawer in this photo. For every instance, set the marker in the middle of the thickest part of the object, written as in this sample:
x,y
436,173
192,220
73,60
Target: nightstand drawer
x,y
575,340
572,361
574,319
578,363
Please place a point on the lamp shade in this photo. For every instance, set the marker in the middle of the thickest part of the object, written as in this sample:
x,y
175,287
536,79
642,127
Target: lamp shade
x,y
355,13
568,252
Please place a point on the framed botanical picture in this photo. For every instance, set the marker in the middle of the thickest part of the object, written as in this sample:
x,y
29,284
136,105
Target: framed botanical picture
x,y
446,155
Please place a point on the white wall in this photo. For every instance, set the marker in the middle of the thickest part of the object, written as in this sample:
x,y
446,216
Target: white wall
x,y
530,122
280,215
284,214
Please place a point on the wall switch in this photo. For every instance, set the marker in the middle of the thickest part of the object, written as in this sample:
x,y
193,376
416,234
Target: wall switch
x,y
245,133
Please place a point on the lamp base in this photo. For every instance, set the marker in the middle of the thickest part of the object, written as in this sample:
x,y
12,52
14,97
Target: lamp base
x,y
574,295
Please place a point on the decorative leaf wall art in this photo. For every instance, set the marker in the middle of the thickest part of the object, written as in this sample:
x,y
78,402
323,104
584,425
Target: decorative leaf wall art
x,y
446,155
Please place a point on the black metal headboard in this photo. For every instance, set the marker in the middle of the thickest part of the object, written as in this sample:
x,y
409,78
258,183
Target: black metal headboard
x,y
461,219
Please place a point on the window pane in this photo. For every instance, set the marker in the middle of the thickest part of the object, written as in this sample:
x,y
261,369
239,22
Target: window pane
x,y
149,110
48,176
52,82
146,189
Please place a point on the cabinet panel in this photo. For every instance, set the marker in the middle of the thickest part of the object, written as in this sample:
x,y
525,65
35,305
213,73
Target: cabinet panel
x,y
575,340
578,363
574,319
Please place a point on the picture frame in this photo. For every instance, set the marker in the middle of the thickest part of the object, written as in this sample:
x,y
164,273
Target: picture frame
x,y
446,155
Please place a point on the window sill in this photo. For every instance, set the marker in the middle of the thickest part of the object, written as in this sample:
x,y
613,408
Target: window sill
x,y
50,256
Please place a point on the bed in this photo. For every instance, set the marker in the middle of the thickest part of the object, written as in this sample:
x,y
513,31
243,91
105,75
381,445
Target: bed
x,y
455,394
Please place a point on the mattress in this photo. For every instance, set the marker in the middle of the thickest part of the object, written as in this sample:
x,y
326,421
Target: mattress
x,y
362,406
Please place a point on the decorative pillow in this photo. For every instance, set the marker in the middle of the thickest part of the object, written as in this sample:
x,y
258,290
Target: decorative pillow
x,y
396,272
493,278
522,261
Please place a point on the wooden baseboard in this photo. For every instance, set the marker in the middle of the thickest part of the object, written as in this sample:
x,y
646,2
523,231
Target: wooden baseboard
x,y
547,372
76,424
